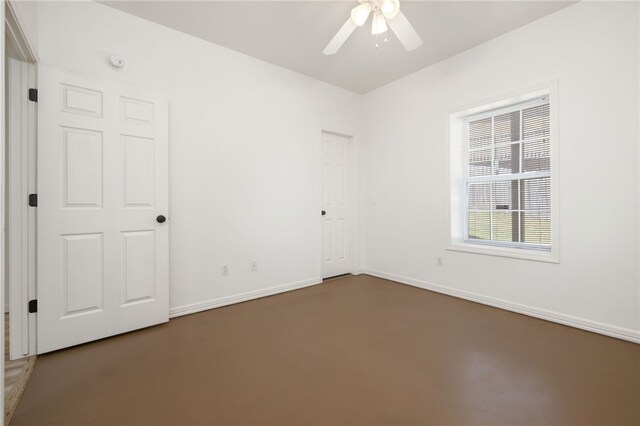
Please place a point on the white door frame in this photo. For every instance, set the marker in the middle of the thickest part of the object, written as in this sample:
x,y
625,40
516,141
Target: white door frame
x,y
20,220
352,201
21,173
2,187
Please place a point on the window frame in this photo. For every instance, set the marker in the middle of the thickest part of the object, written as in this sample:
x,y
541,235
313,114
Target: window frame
x,y
458,174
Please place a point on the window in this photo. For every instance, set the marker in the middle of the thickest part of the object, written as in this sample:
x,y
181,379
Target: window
x,y
503,187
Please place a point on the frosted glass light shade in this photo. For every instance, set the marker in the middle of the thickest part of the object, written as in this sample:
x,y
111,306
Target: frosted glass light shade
x,y
379,24
390,8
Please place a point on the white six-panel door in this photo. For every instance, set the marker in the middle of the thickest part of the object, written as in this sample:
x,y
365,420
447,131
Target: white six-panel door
x,y
103,258
336,225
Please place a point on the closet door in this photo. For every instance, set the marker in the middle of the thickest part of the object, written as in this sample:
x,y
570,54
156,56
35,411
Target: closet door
x,y
336,225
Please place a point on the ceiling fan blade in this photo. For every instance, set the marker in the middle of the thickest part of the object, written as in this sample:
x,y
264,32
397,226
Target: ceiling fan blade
x,y
405,32
341,36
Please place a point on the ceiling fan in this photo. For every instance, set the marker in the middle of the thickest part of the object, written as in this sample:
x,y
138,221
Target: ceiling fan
x,y
384,12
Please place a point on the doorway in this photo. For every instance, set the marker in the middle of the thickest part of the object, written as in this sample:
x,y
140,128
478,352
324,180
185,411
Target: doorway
x,y
337,224
19,219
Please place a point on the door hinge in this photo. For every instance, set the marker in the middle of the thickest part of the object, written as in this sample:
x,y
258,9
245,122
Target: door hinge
x,y
33,95
33,200
33,306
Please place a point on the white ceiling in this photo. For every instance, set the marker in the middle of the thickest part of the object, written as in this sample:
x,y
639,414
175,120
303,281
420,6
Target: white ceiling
x,y
292,34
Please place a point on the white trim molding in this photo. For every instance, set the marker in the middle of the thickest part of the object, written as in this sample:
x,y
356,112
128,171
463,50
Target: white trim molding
x,y
564,319
240,297
21,219
3,185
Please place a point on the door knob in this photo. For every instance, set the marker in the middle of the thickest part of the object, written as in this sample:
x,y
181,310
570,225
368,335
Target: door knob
x,y
161,219
323,212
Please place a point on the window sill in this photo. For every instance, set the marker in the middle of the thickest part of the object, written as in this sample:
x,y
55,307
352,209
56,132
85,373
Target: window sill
x,y
516,253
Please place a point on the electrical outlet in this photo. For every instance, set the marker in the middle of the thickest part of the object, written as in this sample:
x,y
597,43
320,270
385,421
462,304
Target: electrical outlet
x,y
439,260
254,266
224,270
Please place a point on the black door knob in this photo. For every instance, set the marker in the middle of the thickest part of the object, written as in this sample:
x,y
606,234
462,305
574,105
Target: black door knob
x,y
323,212
161,219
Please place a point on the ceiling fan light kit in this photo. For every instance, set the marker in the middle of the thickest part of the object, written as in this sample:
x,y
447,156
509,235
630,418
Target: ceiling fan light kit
x,y
386,13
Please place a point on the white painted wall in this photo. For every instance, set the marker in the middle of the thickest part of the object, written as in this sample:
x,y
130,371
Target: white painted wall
x,y
592,49
244,147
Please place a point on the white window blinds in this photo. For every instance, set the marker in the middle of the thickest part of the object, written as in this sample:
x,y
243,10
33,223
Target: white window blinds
x,y
508,176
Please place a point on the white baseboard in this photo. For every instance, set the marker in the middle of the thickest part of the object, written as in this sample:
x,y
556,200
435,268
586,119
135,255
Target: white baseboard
x,y
582,323
241,297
